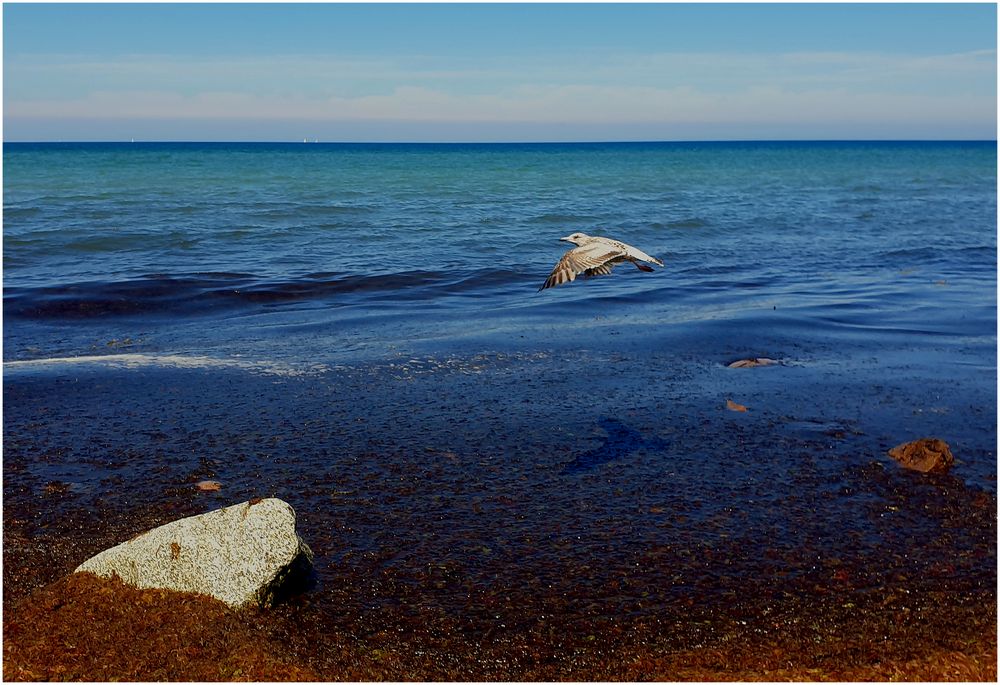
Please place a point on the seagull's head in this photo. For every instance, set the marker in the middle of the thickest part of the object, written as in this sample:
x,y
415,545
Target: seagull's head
x,y
577,238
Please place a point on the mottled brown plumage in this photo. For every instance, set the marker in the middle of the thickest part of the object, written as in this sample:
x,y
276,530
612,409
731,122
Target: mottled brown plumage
x,y
595,256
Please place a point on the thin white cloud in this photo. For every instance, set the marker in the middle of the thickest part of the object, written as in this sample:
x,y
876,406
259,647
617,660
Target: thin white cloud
x,y
314,73
571,104
954,90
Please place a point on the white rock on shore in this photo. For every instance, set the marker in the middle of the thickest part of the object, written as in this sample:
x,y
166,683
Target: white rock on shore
x,y
246,554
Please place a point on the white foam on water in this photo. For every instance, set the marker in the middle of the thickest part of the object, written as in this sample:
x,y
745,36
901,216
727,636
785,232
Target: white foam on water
x,y
176,361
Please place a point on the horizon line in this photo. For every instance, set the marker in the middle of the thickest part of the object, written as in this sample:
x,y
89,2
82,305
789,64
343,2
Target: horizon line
x,y
133,141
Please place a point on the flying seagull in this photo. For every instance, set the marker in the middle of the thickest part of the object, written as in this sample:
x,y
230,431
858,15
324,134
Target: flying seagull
x,y
595,256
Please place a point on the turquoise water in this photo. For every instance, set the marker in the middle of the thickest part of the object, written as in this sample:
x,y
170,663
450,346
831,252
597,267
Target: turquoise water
x,y
441,238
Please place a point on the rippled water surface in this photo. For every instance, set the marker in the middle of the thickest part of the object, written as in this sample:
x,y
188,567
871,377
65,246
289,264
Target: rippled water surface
x,y
358,329
350,247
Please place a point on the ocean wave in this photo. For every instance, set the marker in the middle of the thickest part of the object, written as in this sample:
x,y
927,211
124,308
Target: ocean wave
x,y
558,218
689,223
175,361
959,257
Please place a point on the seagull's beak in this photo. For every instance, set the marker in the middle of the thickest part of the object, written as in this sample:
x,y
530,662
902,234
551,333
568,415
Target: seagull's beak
x,y
568,239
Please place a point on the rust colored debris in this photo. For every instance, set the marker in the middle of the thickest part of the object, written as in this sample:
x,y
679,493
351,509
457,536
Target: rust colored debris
x,y
751,363
85,628
733,406
927,455
82,627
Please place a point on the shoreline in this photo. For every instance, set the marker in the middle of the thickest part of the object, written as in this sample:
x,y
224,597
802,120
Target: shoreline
x,y
834,624
463,531
885,634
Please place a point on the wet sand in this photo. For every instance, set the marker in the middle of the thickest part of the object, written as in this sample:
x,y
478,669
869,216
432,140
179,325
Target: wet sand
x,y
464,529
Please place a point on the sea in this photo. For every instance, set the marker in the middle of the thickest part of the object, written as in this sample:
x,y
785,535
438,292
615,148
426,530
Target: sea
x,y
319,253
358,329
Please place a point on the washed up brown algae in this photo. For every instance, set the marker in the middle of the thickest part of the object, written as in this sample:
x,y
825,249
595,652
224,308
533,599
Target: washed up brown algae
x,y
845,620
87,628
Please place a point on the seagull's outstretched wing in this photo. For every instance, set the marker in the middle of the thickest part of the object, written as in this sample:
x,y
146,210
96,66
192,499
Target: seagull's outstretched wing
x,y
587,258
633,253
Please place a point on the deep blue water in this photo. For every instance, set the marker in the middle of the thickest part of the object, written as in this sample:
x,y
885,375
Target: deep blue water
x,y
358,329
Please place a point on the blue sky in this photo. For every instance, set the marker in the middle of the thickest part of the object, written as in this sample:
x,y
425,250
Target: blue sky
x,y
499,72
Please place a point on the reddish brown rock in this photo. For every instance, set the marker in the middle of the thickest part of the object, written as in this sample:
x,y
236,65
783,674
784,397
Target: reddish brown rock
x,y
733,406
928,455
752,362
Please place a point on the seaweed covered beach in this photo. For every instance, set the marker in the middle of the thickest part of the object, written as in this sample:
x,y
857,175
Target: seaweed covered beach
x,y
465,530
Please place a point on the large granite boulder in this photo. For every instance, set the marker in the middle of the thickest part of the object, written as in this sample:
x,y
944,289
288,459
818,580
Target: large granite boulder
x,y
246,554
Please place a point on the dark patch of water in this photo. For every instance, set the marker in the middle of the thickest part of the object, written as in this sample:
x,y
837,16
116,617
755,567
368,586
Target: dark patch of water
x,y
212,293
